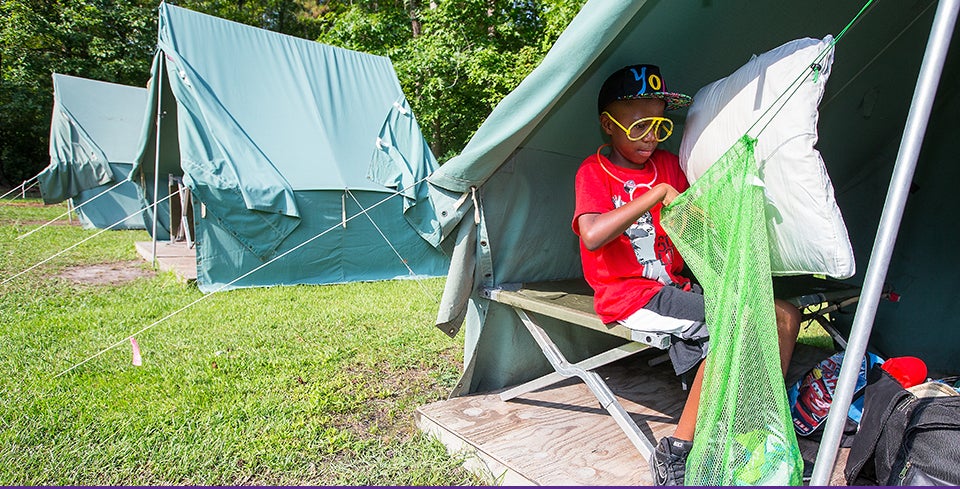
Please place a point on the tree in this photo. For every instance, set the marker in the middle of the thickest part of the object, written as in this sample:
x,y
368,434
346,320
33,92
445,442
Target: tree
x,y
98,39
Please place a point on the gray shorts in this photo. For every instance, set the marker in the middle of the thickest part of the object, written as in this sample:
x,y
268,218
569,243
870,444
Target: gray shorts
x,y
671,310
681,314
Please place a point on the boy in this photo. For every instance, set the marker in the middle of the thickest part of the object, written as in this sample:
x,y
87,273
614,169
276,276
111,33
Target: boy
x,y
628,259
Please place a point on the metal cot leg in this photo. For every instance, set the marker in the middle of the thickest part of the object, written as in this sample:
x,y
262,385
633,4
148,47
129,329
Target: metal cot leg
x,y
596,385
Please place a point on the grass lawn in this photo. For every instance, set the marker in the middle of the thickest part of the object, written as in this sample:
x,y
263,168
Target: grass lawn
x,y
278,386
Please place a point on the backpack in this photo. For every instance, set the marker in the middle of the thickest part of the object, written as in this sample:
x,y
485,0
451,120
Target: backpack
x,y
810,396
906,438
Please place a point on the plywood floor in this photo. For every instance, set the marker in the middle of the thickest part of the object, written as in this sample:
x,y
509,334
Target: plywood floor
x,y
174,256
561,436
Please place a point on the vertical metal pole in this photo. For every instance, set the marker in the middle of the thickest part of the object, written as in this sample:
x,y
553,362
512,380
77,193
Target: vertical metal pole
x,y
923,96
156,170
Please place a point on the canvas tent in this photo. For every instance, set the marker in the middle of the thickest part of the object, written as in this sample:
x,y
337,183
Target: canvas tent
x,y
507,199
94,132
274,136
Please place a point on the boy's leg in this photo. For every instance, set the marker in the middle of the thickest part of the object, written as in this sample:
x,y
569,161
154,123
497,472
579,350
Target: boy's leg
x,y
669,460
674,306
688,418
788,327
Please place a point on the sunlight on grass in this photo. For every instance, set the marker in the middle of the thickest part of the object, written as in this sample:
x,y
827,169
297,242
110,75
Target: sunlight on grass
x,y
273,386
811,333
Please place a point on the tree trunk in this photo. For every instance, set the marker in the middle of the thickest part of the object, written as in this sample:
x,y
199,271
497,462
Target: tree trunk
x,y
492,30
413,9
437,146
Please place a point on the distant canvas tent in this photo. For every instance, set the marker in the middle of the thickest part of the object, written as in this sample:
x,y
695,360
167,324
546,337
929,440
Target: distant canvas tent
x,y
94,133
520,165
274,136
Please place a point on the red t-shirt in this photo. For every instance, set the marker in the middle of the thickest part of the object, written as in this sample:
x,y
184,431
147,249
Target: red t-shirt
x,y
626,272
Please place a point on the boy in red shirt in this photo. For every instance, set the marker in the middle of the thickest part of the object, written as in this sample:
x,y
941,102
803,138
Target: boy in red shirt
x,y
628,260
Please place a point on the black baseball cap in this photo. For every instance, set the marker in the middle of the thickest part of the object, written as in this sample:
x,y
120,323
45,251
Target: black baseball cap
x,y
639,81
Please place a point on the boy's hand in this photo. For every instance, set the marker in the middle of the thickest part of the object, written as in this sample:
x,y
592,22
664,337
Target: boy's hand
x,y
670,193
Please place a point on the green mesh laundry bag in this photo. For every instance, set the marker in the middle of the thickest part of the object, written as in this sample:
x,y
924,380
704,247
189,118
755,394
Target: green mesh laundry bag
x,y
744,430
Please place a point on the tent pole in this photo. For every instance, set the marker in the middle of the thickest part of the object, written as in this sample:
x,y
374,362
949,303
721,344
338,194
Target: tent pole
x,y
156,170
910,144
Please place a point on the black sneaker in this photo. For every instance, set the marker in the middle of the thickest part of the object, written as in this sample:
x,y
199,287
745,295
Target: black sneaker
x,y
669,461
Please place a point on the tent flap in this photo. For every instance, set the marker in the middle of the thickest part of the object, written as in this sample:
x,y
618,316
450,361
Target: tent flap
x,y
222,164
259,231
76,162
401,161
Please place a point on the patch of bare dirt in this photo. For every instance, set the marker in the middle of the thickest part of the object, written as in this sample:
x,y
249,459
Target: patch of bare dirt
x,y
24,204
40,222
117,273
382,415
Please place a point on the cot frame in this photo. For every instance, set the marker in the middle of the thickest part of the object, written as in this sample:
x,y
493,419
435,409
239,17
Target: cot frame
x,y
572,301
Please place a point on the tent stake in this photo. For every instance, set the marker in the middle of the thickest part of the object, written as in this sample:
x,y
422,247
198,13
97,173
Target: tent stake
x,y
910,144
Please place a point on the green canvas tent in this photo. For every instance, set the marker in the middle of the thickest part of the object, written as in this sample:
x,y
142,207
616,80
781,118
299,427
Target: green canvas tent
x,y
507,200
274,136
94,132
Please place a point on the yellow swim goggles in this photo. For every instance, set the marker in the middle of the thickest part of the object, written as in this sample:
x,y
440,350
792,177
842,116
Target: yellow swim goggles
x,y
661,127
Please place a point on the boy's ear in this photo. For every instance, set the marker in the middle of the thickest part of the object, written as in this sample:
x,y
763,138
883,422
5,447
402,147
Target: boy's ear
x,y
606,124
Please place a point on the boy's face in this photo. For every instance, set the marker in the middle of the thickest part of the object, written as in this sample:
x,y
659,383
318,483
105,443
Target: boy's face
x,y
627,153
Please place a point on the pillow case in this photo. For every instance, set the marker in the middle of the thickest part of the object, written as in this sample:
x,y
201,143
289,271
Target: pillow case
x,y
806,231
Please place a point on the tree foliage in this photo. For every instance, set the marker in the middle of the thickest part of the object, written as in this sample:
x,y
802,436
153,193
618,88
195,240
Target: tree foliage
x,y
99,39
455,59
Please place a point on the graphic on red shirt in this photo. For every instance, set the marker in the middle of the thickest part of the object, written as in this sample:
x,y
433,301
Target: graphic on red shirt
x,y
643,237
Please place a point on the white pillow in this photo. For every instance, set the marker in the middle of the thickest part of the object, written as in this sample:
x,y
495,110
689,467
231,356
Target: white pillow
x,y
806,231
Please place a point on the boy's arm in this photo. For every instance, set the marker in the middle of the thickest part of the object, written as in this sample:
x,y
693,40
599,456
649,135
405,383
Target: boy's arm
x,y
597,230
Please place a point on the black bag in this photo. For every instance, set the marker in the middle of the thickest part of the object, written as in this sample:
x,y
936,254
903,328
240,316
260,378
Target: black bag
x,y
905,439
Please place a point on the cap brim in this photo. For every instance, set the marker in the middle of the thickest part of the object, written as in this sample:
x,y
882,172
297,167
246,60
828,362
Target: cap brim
x,y
674,100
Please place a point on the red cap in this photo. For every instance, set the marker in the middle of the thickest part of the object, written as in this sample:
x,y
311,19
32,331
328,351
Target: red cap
x,y
909,371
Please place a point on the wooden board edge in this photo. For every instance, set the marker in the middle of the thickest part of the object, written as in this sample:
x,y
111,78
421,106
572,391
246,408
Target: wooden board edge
x,y
488,468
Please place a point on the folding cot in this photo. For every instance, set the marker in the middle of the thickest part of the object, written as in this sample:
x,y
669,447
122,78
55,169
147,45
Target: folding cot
x,y
572,301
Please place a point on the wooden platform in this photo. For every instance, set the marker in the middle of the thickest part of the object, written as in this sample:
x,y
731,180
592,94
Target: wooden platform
x,y
171,256
561,436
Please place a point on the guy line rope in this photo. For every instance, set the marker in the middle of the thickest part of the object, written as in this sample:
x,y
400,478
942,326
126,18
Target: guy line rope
x,y
65,214
22,187
384,236
204,297
88,238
